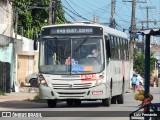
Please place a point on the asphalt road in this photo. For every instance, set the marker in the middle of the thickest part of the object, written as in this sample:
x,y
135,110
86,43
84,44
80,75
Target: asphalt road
x,y
90,110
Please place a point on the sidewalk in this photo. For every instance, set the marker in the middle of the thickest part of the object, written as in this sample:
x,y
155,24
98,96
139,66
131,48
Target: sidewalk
x,y
29,89
25,93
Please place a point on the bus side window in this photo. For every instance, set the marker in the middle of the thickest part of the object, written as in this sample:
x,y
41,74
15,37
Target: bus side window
x,y
108,47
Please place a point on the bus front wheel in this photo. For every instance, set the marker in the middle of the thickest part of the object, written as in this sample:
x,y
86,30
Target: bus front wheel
x,y
77,102
51,103
106,102
69,102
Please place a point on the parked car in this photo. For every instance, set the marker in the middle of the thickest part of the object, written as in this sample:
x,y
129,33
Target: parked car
x,y
32,79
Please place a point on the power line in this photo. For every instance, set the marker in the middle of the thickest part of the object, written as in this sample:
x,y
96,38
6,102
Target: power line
x,y
77,14
70,16
70,6
147,19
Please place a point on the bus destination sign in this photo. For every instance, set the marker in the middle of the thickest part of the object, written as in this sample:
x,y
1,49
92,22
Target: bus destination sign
x,y
72,31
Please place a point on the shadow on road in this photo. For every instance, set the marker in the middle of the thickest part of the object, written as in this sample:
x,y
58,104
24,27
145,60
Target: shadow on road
x,y
26,104
16,104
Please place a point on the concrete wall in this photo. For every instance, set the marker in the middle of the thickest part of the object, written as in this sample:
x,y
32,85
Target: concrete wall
x,y
27,49
6,55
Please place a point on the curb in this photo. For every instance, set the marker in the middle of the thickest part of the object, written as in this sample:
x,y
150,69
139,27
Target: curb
x,y
29,89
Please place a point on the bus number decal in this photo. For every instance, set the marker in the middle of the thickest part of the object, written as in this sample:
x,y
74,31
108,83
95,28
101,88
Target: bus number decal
x,y
88,77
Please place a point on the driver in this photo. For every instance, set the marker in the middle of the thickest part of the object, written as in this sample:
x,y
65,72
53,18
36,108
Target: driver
x,y
95,53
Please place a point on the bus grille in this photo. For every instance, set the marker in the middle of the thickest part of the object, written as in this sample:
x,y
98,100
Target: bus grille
x,y
71,95
72,86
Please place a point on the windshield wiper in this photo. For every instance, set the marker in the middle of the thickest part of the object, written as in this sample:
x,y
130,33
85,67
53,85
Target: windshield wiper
x,y
58,46
85,40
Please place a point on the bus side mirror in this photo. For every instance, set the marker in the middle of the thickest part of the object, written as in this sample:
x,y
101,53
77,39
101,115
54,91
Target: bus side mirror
x,y
35,44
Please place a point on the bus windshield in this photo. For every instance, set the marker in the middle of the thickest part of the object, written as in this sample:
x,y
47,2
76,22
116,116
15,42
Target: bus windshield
x,y
83,55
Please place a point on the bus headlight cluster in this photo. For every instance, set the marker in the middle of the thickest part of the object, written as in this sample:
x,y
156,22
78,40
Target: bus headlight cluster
x,y
99,82
42,80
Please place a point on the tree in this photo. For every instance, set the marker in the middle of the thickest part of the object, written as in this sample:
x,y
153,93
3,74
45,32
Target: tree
x,y
33,14
138,64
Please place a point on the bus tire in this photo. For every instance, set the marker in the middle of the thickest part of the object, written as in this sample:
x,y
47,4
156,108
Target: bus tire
x,y
52,103
77,102
120,98
106,102
69,102
113,100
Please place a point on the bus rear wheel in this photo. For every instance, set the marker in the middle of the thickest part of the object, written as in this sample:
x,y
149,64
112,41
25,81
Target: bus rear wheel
x,y
51,103
106,102
120,99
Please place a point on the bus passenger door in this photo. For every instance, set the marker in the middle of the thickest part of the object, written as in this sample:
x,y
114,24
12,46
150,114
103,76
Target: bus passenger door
x,y
108,50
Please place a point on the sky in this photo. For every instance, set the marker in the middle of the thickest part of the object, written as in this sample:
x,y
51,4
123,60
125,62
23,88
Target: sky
x,y
84,10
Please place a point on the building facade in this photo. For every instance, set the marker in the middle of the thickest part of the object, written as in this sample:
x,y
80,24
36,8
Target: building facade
x,y
6,39
14,49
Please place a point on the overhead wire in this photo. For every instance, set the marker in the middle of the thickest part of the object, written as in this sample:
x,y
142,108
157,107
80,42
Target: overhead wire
x,y
70,16
116,14
79,7
85,3
101,12
76,14
70,6
88,13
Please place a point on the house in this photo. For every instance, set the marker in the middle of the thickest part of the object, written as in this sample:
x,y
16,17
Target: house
x,y
6,45
26,59
15,51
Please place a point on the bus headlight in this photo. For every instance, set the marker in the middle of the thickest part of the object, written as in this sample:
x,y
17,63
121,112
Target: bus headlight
x,y
100,80
42,80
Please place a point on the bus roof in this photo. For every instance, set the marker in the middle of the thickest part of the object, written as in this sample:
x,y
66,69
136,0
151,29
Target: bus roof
x,y
107,30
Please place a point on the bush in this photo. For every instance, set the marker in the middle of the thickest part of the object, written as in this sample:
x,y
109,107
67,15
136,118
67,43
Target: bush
x,y
38,99
1,92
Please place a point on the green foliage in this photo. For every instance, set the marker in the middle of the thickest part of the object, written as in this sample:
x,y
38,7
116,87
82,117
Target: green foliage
x,y
38,99
139,63
31,19
1,92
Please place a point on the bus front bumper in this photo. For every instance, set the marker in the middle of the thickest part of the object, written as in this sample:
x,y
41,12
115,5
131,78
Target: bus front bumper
x,y
96,93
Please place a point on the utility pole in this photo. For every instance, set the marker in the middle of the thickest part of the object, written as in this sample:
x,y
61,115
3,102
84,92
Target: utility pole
x,y
149,21
112,18
52,4
132,31
50,21
132,34
16,23
147,8
95,19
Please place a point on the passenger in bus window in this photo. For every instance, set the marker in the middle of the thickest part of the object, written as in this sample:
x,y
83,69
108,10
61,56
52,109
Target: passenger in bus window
x,y
69,60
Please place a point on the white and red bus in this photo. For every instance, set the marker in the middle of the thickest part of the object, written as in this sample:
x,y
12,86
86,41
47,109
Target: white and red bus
x,y
83,61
